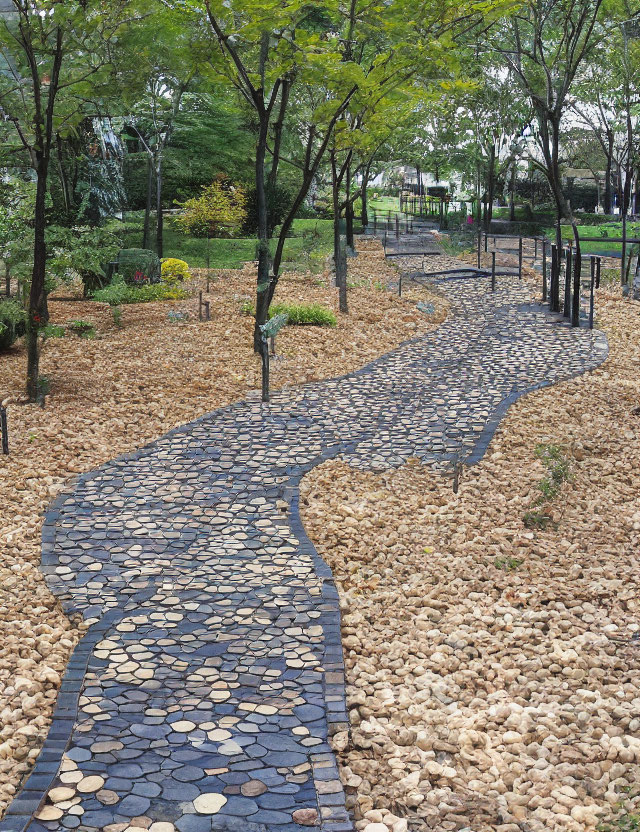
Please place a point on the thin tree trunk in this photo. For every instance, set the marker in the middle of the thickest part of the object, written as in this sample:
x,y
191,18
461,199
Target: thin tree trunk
x,y
512,195
607,184
349,209
338,258
364,197
64,182
262,289
37,312
160,218
146,236
491,175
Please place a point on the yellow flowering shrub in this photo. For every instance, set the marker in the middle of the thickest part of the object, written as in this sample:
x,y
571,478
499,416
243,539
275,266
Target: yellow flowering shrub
x,y
174,270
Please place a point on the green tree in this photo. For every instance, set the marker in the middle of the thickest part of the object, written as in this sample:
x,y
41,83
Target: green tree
x,y
544,45
54,58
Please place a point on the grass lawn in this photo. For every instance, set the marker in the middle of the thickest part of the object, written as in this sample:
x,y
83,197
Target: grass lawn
x,y
311,240
605,230
384,203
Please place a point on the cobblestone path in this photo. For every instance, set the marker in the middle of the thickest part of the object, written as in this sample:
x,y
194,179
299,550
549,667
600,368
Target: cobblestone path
x,y
203,695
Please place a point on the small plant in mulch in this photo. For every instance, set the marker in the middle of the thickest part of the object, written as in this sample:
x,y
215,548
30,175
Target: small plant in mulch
x,y
507,564
84,329
627,818
558,472
177,317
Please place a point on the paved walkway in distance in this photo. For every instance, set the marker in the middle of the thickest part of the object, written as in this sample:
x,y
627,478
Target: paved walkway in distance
x,y
202,698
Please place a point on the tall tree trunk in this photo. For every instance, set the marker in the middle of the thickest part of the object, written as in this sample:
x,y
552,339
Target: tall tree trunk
x,y
339,260
146,236
512,195
364,197
491,177
37,313
160,219
262,289
64,179
349,209
607,207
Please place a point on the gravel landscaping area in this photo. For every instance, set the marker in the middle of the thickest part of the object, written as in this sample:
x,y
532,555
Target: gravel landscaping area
x,y
128,386
492,638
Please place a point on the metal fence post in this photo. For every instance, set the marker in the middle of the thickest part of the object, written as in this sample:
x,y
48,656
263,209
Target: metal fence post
x,y
493,271
554,302
577,274
544,271
479,245
598,264
520,258
592,290
566,311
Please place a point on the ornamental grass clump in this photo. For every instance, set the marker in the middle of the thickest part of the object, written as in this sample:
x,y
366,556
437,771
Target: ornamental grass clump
x,y
311,314
303,314
118,293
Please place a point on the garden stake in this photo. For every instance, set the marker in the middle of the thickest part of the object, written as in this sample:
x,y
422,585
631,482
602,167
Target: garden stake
x,y
400,287
200,307
544,271
207,311
493,271
567,285
592,292
5,430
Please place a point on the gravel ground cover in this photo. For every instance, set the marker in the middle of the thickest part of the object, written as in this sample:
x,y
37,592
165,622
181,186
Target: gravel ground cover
x,y
492,637
121,390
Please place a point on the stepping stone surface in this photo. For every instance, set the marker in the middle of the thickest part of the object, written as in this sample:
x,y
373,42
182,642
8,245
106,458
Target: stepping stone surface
x,y
203,696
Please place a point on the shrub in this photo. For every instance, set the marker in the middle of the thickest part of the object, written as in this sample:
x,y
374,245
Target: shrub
x,y
220,205
118,293
174,271
12,320
138,266
279,201
81,251
304,314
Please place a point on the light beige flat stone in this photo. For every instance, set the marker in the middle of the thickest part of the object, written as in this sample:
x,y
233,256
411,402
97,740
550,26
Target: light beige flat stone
x,y
61,793
209,804
90,784
49,813
183,726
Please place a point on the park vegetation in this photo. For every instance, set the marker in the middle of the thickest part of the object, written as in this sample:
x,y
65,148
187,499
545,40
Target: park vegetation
x,y
217,132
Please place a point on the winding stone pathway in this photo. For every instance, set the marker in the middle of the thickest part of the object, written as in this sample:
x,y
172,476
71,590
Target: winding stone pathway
x,y
203,695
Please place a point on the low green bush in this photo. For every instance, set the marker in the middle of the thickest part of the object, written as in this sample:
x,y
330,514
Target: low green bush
x,y
12,320
311,314
304,314
118,293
